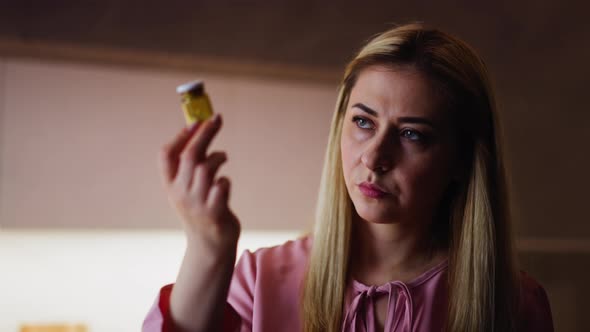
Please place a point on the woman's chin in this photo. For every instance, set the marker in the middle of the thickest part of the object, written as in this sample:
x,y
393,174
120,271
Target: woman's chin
x,y
375,215
382,210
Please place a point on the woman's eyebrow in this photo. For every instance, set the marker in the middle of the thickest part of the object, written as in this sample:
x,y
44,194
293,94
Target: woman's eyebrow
x,y
404,119
366,109
417,120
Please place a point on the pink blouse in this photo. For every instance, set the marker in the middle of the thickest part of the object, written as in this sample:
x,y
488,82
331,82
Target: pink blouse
x,y
265,291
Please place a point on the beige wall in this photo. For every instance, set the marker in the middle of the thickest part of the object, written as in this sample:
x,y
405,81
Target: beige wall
x,y
79,145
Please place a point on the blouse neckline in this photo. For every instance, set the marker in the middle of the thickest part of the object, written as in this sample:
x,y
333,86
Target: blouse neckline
x,y
428,274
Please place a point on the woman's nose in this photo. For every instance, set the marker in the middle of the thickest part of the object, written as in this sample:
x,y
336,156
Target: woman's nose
x,y
379,156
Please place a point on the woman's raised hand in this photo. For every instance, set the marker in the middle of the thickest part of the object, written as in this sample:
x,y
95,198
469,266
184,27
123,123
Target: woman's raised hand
x,y
199,198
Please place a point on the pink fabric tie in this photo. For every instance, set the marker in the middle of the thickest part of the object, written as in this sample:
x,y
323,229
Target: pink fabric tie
x,y
361,315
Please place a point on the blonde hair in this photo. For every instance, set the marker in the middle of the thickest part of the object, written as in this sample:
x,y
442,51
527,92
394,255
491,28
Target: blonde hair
x,y
482,273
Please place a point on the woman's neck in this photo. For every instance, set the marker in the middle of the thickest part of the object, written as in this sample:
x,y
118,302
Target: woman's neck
x,y
398,251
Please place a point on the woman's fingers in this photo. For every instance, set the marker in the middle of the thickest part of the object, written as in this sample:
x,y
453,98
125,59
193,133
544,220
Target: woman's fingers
x,y
204,138
169,154
200,199
194,151
205,174
218,198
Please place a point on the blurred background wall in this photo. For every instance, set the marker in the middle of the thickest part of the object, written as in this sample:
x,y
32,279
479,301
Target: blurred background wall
x,y
87,99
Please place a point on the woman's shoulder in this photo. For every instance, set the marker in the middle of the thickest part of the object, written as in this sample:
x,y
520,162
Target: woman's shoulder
x,y
290,255
534,305
291,250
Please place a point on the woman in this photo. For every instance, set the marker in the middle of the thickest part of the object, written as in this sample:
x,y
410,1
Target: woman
x,y
412,224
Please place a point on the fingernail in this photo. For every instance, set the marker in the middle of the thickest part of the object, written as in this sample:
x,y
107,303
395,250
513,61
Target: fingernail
x,y
216,119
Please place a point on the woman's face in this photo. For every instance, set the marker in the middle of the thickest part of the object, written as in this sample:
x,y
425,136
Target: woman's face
x,y
396,136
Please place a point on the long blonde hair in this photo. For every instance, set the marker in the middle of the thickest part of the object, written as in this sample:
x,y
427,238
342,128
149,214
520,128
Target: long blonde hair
x,y
482,273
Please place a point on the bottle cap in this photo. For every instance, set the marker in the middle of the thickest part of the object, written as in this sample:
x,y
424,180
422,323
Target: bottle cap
x,y
195,87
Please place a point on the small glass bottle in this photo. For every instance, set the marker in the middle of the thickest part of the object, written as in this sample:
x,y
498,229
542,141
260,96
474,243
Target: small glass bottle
x,y
195,102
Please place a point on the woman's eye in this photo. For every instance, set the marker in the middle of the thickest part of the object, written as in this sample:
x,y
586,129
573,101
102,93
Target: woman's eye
x,y
362,122
412,135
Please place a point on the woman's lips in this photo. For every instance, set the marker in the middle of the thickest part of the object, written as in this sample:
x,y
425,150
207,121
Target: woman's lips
x,y
371,190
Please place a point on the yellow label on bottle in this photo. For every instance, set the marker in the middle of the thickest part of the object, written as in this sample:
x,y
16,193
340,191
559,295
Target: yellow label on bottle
x,y
196,108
